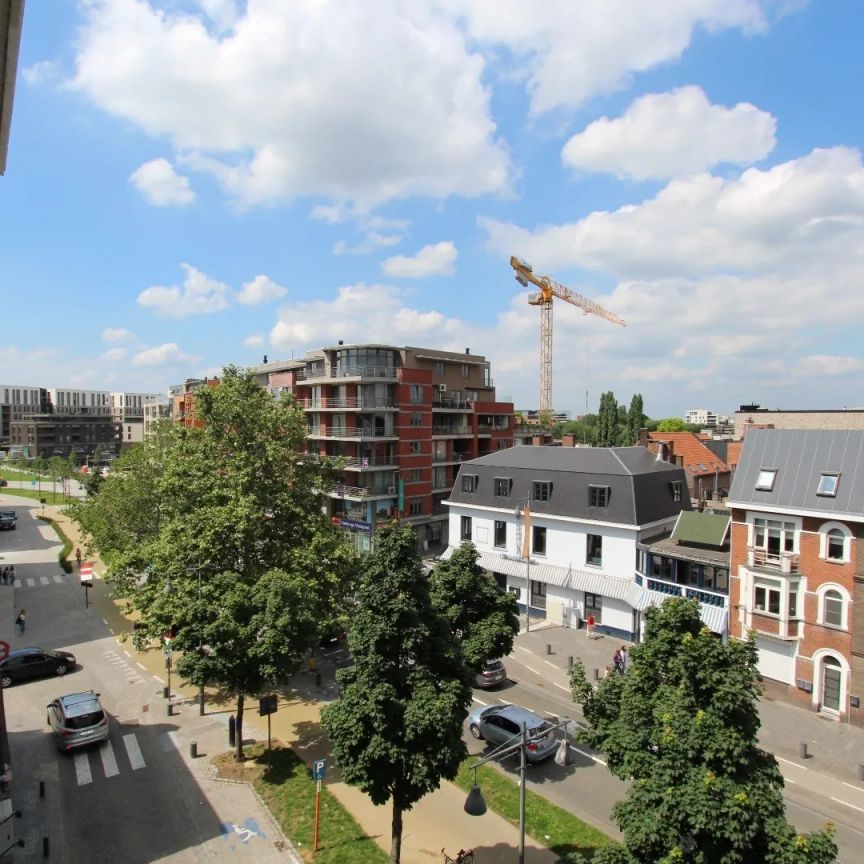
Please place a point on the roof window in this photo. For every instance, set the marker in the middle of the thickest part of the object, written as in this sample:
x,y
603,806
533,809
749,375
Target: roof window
x,y
765,480
828,484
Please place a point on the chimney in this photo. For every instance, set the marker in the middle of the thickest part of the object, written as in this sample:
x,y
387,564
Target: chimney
x,y
661,451
467,350
265,359
340,342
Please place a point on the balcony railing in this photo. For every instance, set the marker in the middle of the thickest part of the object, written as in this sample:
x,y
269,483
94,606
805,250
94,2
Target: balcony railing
x,y
348,432
452,404
347,372
673,589
347,404
341,490
784,562
452,457
450,430
769,625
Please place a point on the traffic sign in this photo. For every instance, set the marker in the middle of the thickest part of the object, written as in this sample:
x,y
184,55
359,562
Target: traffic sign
x,y
86,574
319,769
267,705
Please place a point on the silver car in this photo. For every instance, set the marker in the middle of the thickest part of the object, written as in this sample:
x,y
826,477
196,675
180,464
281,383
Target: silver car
x,y
77,720
502,724
492,675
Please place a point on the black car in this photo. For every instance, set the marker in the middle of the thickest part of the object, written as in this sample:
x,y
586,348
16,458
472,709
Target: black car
x,y
24,663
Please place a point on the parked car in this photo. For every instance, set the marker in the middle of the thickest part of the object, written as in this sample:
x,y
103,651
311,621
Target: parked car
x,y
7,520
24,663
500,724
492,675
77,719
3,482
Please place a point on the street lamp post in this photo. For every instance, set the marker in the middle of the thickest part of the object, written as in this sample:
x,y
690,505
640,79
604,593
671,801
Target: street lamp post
x,y
200,647
475,805
169,589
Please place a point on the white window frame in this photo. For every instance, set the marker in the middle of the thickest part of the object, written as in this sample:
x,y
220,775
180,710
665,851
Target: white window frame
x,y
784,521
829,490
766,479
824,530
844,612
770,585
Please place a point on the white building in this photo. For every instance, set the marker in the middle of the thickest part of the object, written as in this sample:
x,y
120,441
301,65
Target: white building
x,y
157,408
701,417
559,526
72,401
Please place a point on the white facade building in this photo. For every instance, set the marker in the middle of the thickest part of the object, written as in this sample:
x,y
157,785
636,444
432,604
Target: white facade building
x,y
72,401
701,417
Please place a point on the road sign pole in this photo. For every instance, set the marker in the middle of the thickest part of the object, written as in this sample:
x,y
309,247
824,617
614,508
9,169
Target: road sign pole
x,y
317,812
268,739
86,596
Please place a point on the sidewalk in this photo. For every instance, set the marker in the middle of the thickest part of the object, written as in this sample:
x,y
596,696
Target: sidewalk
x,y
834,749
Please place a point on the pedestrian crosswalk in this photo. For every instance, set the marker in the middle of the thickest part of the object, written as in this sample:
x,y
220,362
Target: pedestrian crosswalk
x,y
132,675
33,581
87,760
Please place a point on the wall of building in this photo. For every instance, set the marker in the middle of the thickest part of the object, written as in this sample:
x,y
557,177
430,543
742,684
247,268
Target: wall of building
x,y
851,419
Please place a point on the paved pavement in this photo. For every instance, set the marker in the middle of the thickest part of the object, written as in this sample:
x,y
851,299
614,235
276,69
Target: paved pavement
x,y
439,820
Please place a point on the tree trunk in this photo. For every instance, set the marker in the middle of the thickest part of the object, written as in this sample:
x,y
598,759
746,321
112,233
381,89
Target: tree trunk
x,y
238,730
396,834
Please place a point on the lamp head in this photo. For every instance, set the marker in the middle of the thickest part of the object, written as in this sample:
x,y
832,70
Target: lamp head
x,y
475,805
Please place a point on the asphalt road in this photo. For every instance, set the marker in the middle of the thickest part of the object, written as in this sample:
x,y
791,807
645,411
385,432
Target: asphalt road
x,y
587,789
129,799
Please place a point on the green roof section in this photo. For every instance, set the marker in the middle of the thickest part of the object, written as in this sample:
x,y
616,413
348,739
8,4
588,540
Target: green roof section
x,y
706,529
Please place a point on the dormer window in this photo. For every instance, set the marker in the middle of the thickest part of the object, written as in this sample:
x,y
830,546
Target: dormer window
x,y
542,491
598,496
765,480
503,486
469,482
676,490
828,485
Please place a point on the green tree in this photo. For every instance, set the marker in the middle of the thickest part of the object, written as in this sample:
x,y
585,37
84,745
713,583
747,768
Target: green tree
x,y
635,419
396,728
682,722
219,532
93,481
484,618
607,424
671,424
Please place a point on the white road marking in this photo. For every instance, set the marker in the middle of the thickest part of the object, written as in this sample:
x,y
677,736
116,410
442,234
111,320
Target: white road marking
x,y
141,666
59,580
44,580
790,762
16,583
82,769
104,622
524,650
847,804
589,755
550,663
31,583
128,654
136,759
158,679
504,702
480,702
856,788
539,674
561,687
109,762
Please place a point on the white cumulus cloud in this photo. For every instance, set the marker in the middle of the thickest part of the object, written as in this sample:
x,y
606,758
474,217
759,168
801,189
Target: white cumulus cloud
x,y
199,295
260,290
254,341
822,365
161,185
436,259
671,134
167,354
117,334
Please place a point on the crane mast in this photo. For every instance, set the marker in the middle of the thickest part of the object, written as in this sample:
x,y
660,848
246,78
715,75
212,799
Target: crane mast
x,y
549,288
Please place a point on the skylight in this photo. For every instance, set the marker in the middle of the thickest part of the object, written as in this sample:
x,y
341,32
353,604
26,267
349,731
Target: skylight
x,y
765,481
828,485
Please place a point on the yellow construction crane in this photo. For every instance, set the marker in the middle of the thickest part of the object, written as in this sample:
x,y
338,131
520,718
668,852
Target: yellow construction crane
x,y
549,288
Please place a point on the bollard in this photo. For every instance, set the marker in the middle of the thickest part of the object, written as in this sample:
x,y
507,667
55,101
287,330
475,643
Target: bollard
x,y
548,648
41,788
193,750
165,693
46,848
232,726
596,674
569,661
802,749
861,772
170,710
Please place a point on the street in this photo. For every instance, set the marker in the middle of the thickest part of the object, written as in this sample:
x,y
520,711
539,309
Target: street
x,y
130,799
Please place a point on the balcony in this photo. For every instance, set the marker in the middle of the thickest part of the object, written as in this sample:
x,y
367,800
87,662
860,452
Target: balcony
x,y
769,625
361,493
354,433
444,404
347,404
453,431
773,562
709,598
450,459
347,372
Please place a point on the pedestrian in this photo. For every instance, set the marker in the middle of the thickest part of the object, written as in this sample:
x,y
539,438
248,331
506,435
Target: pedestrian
x,y
625,658
21,621
4,575
11,574
78,557
589,625
618,662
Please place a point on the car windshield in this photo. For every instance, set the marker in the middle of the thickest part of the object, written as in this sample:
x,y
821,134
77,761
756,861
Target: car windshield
x,y
84,721
494,666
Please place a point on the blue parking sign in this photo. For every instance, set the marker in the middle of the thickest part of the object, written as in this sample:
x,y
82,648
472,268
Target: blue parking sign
x,y
319,769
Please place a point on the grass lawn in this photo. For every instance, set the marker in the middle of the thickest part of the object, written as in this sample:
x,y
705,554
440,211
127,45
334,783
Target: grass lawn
x,y
548,824
289,791
66,551
35,494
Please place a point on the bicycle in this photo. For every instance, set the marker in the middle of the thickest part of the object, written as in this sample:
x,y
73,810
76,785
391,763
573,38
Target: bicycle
x,y
463,856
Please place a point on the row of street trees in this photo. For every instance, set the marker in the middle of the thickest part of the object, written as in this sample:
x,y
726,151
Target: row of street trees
x,y
218,534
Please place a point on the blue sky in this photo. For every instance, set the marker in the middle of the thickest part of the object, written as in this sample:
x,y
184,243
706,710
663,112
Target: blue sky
x,y
191,184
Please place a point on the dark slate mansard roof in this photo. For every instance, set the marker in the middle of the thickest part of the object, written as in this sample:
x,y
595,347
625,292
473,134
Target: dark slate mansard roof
x,y
639,483
800,457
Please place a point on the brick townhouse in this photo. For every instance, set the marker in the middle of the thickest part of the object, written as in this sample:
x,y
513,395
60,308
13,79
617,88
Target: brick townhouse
x,y
797,580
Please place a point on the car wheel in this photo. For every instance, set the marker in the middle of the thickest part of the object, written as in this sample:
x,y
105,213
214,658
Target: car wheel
x,y
61,669
475,731
5,681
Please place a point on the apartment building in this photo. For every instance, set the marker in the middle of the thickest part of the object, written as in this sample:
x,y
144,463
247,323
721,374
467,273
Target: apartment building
x,y
18,401
708,476
797,572
157,408
701,417
403,420
96,403
565,529
753,416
